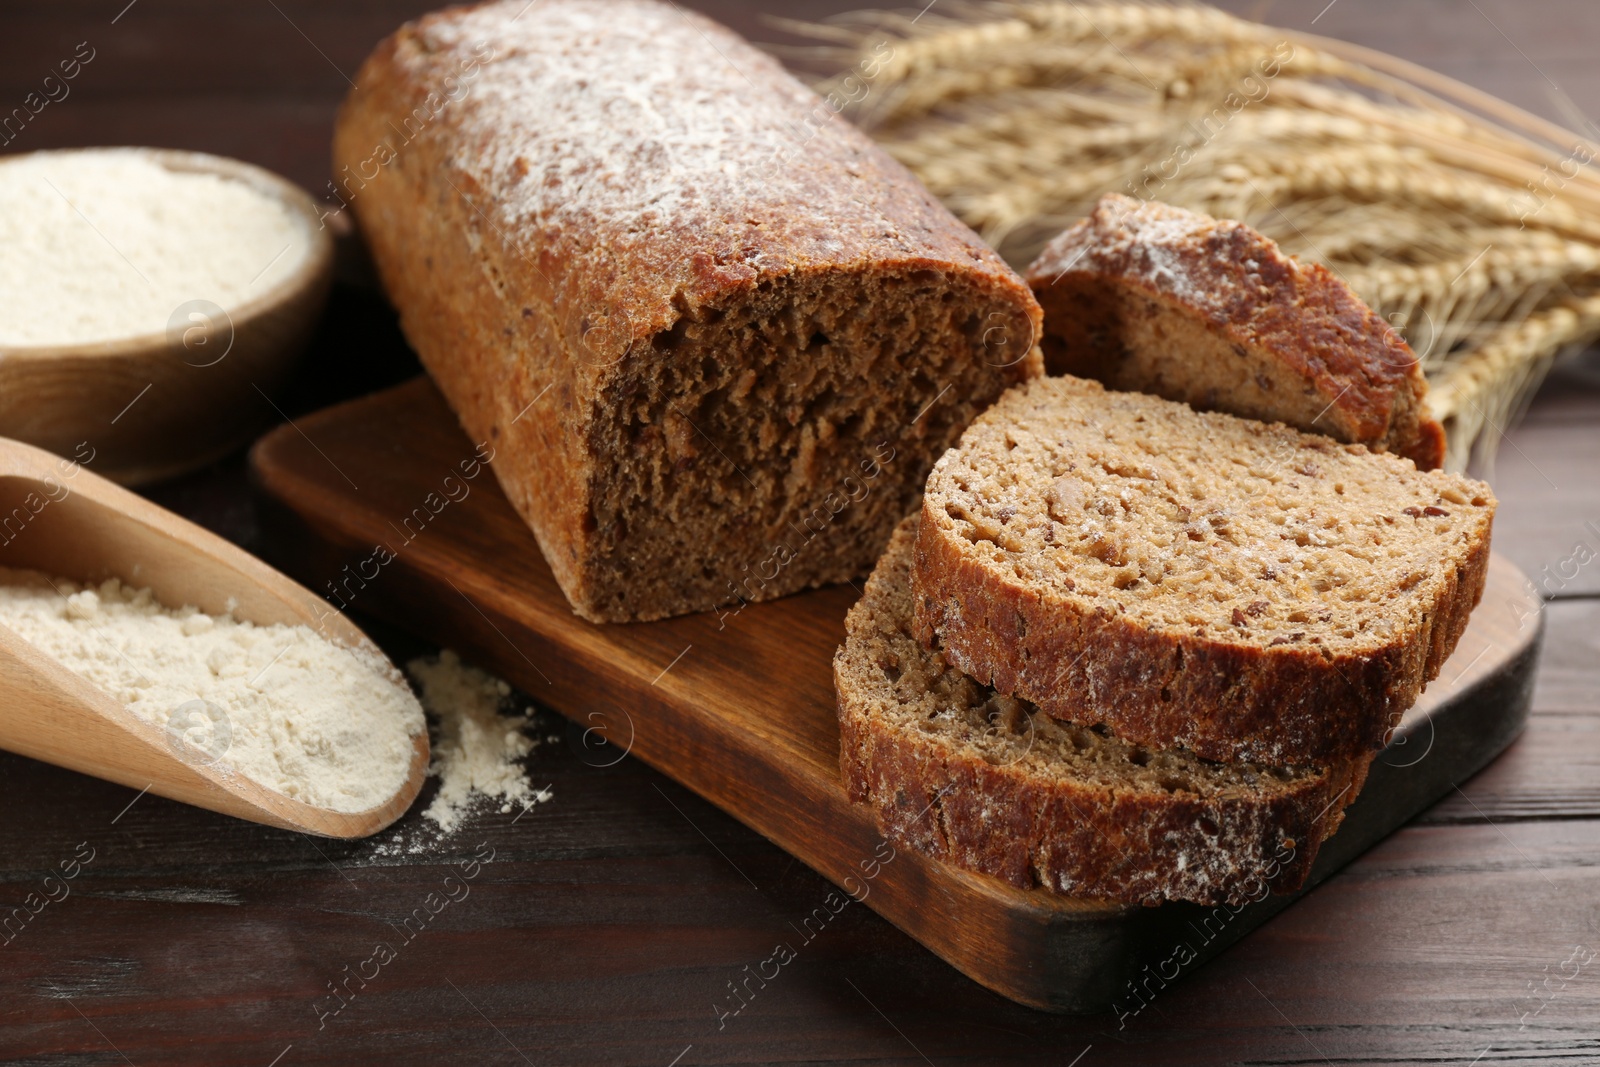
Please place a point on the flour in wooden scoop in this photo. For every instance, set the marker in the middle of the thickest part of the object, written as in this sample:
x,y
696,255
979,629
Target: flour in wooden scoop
x,y
327,725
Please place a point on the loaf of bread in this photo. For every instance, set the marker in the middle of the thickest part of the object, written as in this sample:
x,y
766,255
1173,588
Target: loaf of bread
x,y
715,336
958,772
1152,298
1193,579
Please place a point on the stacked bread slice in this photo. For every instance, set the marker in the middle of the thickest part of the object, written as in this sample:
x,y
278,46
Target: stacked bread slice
x,y
988,782
1134,651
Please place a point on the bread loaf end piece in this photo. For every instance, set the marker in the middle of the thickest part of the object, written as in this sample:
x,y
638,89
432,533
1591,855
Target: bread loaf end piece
x,y
979,780
714,336
1147,297
1194,579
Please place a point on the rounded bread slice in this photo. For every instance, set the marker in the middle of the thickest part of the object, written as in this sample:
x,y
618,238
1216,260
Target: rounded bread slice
x,y
1193,579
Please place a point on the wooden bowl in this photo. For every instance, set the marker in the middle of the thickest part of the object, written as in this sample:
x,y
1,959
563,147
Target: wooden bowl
x,y
144,408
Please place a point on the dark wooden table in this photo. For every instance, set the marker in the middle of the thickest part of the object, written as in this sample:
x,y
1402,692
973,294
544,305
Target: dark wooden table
x,y
612,919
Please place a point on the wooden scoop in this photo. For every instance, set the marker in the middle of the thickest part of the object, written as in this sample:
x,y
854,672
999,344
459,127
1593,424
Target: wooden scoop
x,y
57,517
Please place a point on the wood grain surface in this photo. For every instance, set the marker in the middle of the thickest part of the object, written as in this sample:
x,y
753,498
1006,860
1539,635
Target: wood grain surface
x,y
612,918
739,705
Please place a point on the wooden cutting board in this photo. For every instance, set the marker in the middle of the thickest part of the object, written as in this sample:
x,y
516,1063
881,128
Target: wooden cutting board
x,y
382,505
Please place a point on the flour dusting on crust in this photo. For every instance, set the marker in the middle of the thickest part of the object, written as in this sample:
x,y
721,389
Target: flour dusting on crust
x,y
697,139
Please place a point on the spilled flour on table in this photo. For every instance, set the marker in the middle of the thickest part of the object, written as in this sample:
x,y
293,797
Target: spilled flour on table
x,y
479,750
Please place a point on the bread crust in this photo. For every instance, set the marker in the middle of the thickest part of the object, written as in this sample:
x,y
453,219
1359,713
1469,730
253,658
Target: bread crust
x,y
1289,704
545,215
1128,255
1129,844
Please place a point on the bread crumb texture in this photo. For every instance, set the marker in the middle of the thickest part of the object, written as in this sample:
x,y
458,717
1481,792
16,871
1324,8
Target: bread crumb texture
x,y
1242,531
1133,561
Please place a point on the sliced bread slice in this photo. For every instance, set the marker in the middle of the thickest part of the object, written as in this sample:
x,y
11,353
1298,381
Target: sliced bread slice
x,y
1155,299
983,781
1193,579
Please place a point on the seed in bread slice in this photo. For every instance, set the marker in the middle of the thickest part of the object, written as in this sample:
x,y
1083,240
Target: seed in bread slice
x,y
1151,298
1193,579
985,782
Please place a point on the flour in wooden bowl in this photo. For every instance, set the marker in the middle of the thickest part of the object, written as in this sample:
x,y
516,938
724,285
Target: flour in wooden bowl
x,y
324,724
104,244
